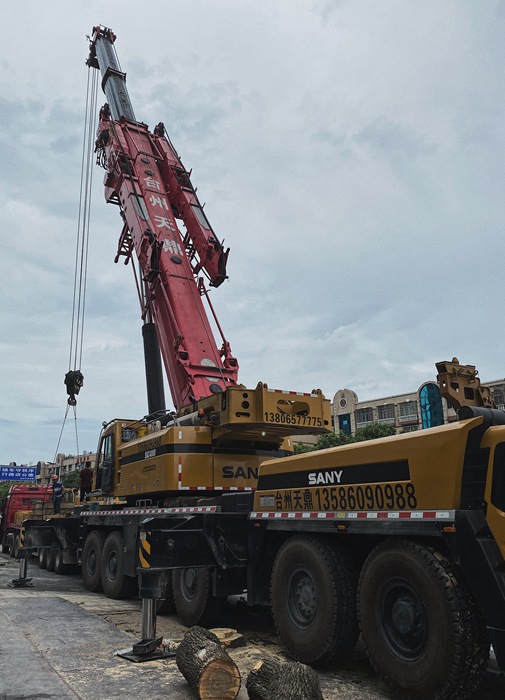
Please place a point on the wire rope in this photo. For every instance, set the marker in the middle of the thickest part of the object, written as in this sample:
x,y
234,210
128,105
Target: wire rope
x,y
82,245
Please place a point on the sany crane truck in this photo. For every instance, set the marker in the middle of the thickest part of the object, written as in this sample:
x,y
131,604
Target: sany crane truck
x,y
221,431
400,539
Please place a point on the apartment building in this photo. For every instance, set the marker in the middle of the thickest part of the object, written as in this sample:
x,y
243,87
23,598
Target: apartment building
x,y
63,466
424,408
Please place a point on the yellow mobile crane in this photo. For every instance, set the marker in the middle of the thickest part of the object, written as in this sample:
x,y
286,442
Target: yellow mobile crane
x,y
212,445
400,538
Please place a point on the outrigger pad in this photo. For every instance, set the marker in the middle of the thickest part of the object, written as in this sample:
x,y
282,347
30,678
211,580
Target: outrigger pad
x,y
20,583
146,650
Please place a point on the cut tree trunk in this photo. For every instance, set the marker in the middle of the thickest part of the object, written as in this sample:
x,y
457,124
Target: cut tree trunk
x,y
260,678
272,680
228,637
207,667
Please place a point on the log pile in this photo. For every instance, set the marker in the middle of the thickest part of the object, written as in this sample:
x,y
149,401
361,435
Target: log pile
x,y
271,679
228,637
213,675
206,666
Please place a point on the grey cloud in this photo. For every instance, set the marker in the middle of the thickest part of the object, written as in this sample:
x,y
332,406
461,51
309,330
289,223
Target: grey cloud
x,y
391,139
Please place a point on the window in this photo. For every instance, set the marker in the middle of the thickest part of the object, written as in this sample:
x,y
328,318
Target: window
x,y
386,413
344,423
364,416
499,396
432,412
407,411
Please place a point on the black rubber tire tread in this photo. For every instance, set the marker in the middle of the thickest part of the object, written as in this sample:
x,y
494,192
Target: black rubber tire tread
x,y
166,604
59,567
458,664
334,631
115,585
15,547
42,557
51,558
93,542
204,609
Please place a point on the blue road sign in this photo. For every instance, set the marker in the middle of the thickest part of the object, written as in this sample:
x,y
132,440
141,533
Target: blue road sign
x,y
17,473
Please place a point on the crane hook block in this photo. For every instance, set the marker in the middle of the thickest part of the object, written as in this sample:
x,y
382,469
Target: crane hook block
x,y
74,380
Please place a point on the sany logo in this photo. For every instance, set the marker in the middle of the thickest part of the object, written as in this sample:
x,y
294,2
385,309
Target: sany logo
x,y
332,477
230,472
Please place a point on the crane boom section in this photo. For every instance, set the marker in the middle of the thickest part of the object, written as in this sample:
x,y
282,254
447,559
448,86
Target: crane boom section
x,y
146,178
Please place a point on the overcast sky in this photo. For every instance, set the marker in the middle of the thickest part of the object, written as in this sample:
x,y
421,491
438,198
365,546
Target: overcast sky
x,y
350,152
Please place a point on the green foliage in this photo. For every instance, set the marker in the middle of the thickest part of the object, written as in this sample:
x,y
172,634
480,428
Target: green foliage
x,y
373,431
332,440
369,432
299,448
71,481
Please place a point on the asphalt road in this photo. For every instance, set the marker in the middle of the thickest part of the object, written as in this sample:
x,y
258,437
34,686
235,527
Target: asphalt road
x,y
59,641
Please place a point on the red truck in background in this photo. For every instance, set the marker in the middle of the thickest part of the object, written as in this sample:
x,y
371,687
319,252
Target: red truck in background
x,y
18,506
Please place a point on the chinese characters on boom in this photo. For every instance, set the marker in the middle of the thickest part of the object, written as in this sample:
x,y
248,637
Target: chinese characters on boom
x,y
164,221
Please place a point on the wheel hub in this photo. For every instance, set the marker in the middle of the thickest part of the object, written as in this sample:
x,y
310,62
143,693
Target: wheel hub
x,y
403,616
112,566
92,562
189,583
302,598
403,619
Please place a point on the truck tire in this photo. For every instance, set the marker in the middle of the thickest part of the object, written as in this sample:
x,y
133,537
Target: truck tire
x,y
193,597
114,582
42,557
166,604
313,597
92,561
51,558
15,547
422,630
59,566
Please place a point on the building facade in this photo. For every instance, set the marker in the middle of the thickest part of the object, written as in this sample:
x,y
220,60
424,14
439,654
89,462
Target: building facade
x,y
424,408
64,466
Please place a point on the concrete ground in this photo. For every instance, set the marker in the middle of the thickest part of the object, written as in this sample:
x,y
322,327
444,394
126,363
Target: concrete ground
x,y
58,641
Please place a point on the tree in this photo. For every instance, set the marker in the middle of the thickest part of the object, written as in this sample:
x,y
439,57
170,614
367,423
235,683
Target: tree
x,y
332,440
369,432
373,431
71,481
300,448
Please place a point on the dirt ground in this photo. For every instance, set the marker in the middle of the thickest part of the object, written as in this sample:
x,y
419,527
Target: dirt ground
x,y
352,679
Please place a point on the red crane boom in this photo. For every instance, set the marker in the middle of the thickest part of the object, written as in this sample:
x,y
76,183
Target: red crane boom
x,y
146,178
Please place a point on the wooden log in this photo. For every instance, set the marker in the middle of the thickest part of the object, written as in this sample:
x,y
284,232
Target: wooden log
x,y
296,680
272,680
228,637
260,678
206,666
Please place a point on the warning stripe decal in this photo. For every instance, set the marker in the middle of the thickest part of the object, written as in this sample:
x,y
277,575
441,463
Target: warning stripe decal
x,y
356,515
214,488
293,393
149,511
145,552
